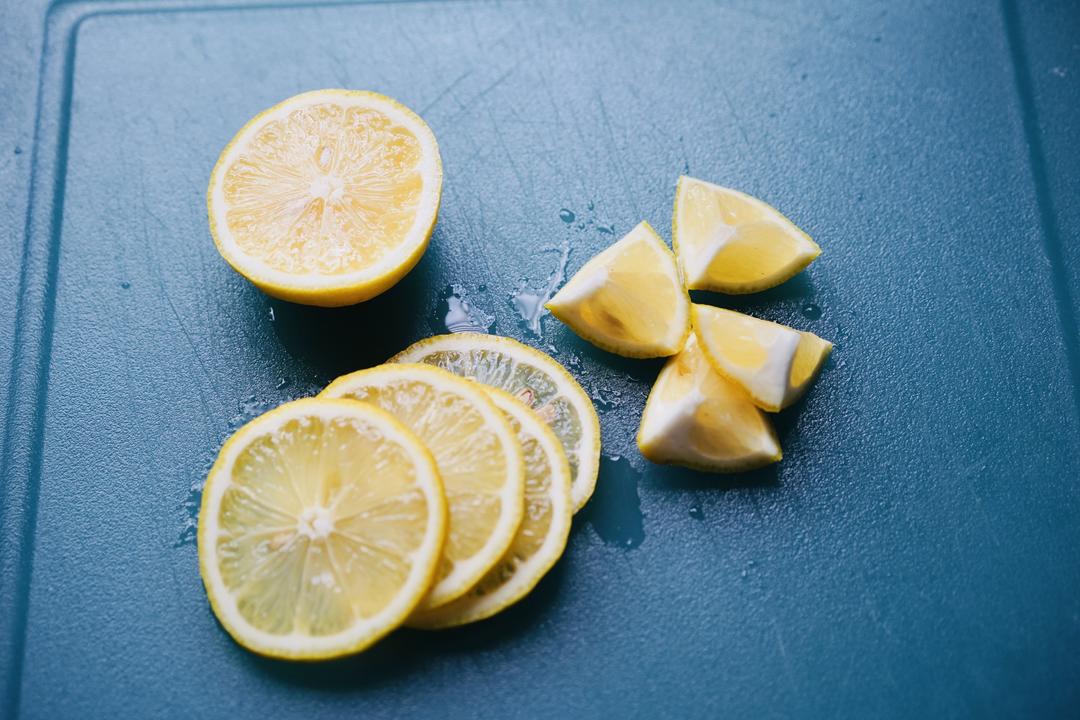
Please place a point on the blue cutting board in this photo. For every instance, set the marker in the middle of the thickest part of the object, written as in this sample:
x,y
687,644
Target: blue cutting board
x,y
914,555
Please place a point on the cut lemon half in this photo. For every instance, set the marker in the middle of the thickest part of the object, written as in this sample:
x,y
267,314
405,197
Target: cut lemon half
x,y
539,541
772,362
733,243
478,456
697,418
629,299
533,377
328,198
320,529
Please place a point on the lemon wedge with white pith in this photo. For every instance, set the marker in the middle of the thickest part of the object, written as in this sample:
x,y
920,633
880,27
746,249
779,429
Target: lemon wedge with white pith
x,y
730,242
533,377
321,526
539,541
699,419
772,362
629,299
328,198
476,451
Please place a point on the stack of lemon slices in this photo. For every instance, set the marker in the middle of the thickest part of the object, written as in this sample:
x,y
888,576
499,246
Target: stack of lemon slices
x,y
432,491
726,369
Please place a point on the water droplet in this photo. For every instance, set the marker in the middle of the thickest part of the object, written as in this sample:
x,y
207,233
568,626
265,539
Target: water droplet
x,y
686,167
125,284
528,302
272,318
581,226
696,513
457,314
811,311
18,150
282,383
615,509
591,206
606,229
566,216
481,288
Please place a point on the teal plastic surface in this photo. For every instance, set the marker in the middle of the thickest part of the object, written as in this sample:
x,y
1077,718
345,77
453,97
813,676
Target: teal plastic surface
x,y
914,555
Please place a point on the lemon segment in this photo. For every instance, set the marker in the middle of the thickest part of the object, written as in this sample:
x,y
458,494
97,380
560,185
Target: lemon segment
x,y
772,362
320,529
629,299
477,454
328,198
730,242
699,419
539,541
533,377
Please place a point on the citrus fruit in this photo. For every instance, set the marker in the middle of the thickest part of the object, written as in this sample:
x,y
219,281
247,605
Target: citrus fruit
x,y
533,377
539,541
321,526
697,418
772,362
730,242
629,299
476,451
328,198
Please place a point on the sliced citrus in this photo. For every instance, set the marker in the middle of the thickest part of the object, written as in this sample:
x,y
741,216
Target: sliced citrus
x,y
539,541
629,299
733,243
532,376
697,418
772,362
478,457
327,198
320,529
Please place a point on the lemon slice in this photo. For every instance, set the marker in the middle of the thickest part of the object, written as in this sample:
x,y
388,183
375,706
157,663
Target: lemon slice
x,y
539,541
478,457
533,377
320,529
772,362
629,299
327,198
697,418
732,243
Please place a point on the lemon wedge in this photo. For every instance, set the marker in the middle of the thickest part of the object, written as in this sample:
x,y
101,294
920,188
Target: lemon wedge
x,y
477,454
328,198
733,243
697,418
321,526
629,299
533,377
772,362
539,541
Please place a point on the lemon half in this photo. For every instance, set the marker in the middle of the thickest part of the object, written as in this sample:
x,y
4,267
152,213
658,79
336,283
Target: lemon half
x,y
328,198
320,529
